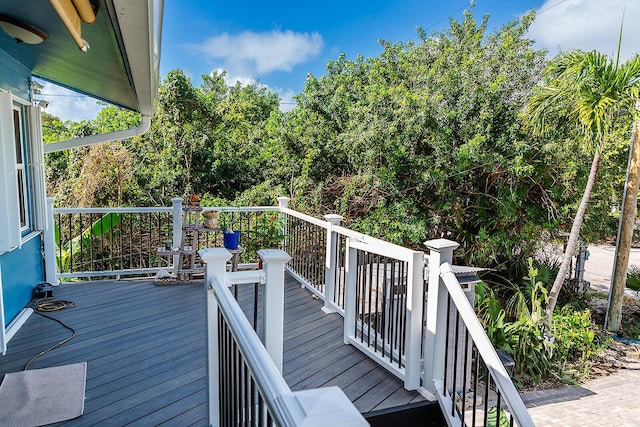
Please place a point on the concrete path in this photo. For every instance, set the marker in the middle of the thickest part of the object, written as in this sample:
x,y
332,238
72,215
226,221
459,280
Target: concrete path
x,y
607,401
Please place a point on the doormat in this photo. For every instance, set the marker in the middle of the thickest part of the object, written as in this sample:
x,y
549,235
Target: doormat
x,y
43,396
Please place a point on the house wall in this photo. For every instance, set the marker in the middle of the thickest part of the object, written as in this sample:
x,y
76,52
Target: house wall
x,y
21,269
14,77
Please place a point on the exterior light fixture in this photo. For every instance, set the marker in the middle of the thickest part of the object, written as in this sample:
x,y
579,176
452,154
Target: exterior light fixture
x,y
36,88
21,31
71,12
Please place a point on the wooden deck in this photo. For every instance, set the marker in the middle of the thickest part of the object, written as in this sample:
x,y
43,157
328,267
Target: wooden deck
x,y
145,350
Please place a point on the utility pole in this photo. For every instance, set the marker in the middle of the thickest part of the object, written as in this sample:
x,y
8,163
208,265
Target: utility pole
x,y
628,214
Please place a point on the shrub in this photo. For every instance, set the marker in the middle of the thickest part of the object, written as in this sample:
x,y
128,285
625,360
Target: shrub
x,y
517,323
633,278
576,342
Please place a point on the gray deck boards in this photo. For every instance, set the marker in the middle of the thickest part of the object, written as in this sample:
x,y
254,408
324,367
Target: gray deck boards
x,y
145,350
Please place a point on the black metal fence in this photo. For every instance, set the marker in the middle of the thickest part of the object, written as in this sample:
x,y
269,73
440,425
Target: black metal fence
x,y
306,243
105,242
99,241
241,403
476,387
468,382
381,299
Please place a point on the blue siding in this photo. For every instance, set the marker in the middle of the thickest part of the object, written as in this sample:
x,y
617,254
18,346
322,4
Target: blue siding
x,y
22,270
14,76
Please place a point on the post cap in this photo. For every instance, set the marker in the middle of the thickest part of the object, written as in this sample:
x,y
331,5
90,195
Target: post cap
x,y
213,255
441,245
327,406
334,218
273,255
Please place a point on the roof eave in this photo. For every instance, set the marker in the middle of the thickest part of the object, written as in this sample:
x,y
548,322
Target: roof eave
x,y
141,29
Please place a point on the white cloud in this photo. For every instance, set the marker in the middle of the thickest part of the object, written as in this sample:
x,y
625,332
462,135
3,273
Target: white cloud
x,y
231,80
587,25
68,105
250,53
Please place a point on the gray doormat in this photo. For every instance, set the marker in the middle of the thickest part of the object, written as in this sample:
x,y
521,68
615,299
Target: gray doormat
x,y
43,396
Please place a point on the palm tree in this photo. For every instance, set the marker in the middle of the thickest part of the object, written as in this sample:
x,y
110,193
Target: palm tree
x,y
592,89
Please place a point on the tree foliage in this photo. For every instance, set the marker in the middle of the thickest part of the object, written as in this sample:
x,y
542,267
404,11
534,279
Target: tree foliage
x,y
426,140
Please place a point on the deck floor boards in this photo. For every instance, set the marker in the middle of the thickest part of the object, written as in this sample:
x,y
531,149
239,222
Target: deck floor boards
x,y
145,351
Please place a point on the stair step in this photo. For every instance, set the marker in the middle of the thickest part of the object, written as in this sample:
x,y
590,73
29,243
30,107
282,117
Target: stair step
x,y
415,414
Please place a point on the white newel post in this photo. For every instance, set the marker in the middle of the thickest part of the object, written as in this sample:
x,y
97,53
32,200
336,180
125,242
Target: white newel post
x,y
283,202
331,263
273,261
351,264
50,266
441,251
413,333
215,260
177,230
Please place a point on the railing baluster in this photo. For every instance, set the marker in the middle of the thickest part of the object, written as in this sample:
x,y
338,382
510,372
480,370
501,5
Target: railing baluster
x,y
454,381
445,386
476,374
487,382
60,240
465,364
403,312
70,240
383,311
82,241
368,280
256,288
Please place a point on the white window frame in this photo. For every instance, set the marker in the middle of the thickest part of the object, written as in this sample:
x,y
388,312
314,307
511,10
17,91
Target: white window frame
x,y
22,177
10,233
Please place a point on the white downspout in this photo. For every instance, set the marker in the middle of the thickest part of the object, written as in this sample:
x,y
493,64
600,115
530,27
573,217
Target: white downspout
x,y
83,141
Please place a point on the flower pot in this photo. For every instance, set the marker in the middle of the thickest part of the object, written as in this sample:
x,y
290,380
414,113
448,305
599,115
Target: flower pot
x,y
231,239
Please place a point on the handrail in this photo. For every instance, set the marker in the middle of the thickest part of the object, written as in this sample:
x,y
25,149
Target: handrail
x,y
160,209
111,210
383,248
267,377
241,208
304,217
129,258
261,362
484,346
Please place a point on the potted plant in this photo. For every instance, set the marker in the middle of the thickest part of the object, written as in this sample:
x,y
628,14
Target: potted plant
x,y
230,237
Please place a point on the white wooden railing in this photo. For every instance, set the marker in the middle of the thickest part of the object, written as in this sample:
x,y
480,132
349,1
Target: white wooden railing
x,y
251,390
128,238
400,307
462,368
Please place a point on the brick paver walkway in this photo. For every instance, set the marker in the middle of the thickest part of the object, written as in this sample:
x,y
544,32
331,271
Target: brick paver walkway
x,y
608,401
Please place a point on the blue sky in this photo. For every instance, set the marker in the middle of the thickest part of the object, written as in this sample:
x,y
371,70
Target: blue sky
x,y
279,43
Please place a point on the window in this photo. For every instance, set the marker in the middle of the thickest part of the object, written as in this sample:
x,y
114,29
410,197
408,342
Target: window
x,y
21,177
22,188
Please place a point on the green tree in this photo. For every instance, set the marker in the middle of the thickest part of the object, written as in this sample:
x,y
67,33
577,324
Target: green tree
x,y
590,89
426,141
